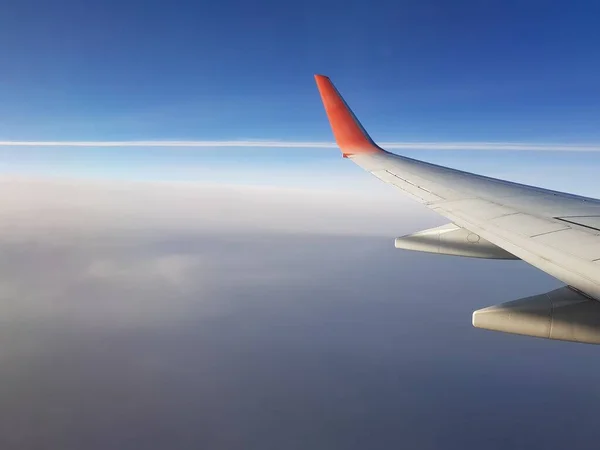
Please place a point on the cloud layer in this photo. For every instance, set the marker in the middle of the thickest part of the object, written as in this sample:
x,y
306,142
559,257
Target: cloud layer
x,y
189,316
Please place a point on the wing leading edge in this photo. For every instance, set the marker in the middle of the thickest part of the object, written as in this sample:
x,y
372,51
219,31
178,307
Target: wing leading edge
x,y
550,230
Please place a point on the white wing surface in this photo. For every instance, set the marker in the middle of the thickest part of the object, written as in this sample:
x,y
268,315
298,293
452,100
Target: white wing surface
x,y
556,232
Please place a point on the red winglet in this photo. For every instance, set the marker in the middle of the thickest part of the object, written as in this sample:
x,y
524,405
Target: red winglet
x,y
349,134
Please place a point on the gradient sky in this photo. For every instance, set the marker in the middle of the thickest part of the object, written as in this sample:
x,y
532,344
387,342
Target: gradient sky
x,y
493,71
465,70
137,311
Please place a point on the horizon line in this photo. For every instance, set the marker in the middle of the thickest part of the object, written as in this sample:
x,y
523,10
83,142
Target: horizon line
x,y
404,145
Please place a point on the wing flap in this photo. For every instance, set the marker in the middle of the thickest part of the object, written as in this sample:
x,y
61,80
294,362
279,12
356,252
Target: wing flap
x,y
573,242
590,222
528,225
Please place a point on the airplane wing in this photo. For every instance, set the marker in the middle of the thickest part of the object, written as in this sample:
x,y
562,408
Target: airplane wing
x,y
556,232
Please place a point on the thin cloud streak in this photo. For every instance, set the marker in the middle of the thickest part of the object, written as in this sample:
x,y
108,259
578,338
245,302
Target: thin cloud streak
x,y
510,146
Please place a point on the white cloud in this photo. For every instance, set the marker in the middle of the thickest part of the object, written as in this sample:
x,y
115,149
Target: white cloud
x,y
146,254
511,146
29,207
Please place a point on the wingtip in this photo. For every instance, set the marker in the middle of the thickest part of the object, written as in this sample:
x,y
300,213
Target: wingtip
x,y
323,81
349,134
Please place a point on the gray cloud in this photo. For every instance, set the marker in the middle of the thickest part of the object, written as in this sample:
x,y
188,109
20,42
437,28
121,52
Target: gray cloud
x,y
182,316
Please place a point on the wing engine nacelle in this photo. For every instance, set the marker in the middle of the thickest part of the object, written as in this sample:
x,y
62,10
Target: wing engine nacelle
x,y
451,239
562,314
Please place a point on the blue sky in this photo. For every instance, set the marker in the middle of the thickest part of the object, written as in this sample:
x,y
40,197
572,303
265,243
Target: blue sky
x,y
499,71
224,317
